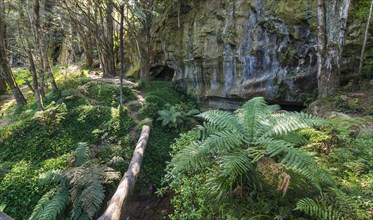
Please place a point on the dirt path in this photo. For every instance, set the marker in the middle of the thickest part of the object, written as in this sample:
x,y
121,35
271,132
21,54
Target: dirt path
x,y
6,101
112,80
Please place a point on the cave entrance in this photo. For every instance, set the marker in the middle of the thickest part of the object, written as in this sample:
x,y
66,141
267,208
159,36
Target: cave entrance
x,y
289,106
293,108
162,73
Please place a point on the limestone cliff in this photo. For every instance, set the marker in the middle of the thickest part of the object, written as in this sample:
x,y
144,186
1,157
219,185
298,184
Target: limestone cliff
x,y
237,49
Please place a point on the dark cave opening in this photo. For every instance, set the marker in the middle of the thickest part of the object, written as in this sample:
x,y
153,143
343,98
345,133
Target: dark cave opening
x,y
162,72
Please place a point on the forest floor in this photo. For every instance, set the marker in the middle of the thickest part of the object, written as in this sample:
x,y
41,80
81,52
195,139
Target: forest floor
x,y
90,115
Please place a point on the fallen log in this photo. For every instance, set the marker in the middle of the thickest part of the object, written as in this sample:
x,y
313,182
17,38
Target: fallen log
x,y
3,216
127,183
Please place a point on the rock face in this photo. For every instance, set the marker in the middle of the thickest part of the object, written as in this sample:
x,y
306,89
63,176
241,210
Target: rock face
x,y
225,51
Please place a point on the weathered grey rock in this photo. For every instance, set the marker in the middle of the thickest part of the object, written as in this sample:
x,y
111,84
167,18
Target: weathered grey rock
x,y
232,50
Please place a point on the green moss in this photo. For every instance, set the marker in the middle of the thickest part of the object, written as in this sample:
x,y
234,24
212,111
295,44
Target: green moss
x,y
293,12
37,144
21,74
283,90
134,72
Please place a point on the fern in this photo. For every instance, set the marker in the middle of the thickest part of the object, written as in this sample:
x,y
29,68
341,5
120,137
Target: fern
x,y
344,203
93,194
51,177
317,209
57,204
292,121
231,143
81,154
223,120
43,202
295,138
253,113
80,186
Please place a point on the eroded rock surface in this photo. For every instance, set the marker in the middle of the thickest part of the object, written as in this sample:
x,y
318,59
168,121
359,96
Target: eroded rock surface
x,y
224,51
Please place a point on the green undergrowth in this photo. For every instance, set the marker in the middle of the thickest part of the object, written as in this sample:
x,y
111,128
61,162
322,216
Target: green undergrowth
x,y
81,110
159,96
342,147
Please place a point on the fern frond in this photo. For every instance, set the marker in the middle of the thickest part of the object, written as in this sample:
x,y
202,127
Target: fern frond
x,y
232,168
109,174
57,204
292,121
93,195
81,154
223,141
224,120
194,156
207,129
42,203
234,164
298,160
52,177
317,209
77,211
76,175
343,202
295,138
189,158
253,113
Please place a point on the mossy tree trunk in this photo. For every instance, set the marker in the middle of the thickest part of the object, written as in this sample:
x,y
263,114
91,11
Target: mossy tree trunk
x,y
121,49
2,85
95,23
5,70
109,40
145,41
331,19
42,45
362,55
25,30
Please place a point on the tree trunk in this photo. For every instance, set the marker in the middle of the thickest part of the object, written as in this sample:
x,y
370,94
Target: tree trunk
x,y
5,69
121,39
87,49
109,62
127,184
2,86
42,80
42,46
331,21
144,56
35,81
362,55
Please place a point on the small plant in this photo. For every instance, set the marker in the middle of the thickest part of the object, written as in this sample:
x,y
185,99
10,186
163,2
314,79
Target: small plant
x,y
79,189
172,118
52,115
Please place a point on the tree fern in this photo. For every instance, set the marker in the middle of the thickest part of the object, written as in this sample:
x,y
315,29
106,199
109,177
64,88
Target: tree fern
x,y
317,209
80,187
231,143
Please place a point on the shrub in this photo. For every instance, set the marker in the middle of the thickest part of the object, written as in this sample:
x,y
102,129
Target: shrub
x,y
233,151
